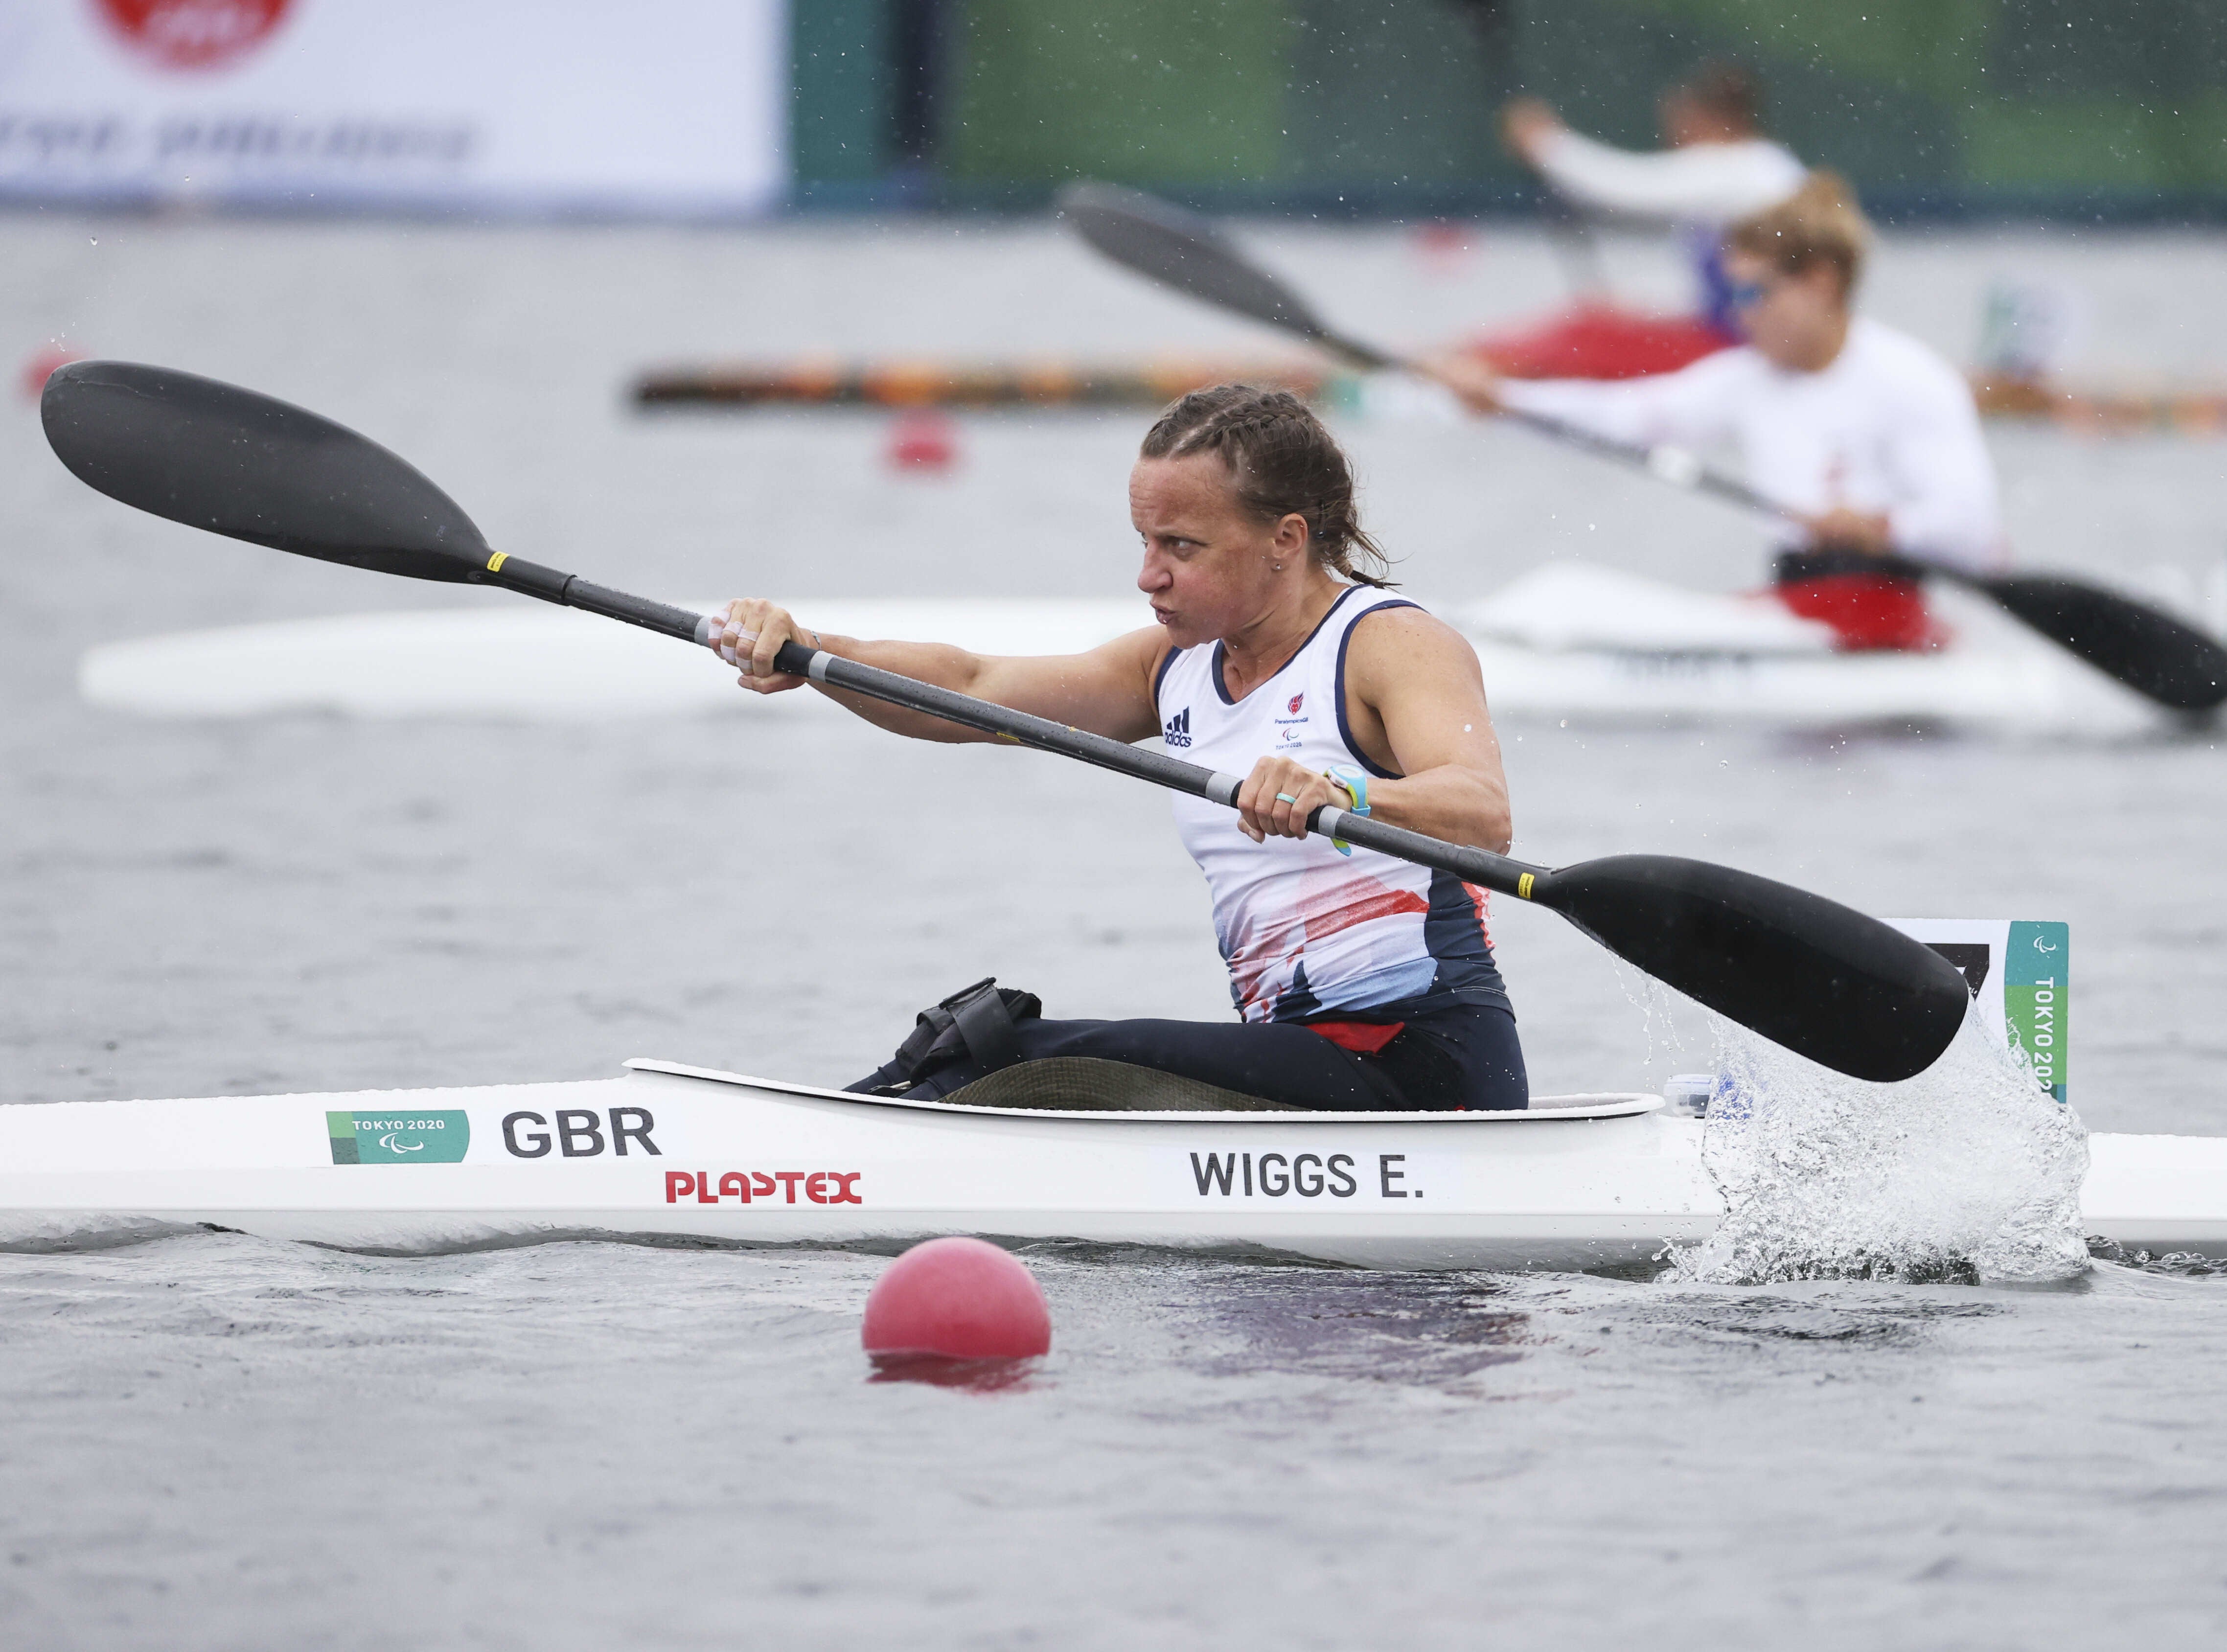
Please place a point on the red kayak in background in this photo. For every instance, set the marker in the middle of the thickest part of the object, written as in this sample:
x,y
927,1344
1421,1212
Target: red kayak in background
x,y
1593,339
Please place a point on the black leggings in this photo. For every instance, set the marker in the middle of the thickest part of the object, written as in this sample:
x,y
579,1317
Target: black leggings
x,y
1467,1056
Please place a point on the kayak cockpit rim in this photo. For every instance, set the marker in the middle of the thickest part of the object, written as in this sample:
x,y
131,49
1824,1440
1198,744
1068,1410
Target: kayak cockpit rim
x,y
1545,1110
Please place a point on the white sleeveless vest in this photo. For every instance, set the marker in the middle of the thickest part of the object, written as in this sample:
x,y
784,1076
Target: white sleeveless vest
x,y
1305,930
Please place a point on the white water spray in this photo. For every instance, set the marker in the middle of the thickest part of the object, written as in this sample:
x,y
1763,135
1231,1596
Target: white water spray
x,y
1971,1170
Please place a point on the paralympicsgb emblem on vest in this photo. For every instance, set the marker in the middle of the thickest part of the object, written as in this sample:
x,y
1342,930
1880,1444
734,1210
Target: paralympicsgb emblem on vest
x,y
1298,700
1177,733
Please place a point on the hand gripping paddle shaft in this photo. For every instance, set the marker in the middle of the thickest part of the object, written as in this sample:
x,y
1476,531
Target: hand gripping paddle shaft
x,y
2155,655
1827,982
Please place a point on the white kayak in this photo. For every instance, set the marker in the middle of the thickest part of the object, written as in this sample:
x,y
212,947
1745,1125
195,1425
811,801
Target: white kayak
x,y
528,660
1565,640
1576,640
675,1151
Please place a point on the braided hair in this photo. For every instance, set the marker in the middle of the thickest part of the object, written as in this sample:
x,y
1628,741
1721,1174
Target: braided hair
x,y
1283,462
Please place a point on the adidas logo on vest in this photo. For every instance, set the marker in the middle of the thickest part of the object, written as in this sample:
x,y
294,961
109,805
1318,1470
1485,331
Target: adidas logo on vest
x,y
1177,733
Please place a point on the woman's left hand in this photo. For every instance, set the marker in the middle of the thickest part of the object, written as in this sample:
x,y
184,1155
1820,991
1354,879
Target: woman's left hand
x,y
1279,794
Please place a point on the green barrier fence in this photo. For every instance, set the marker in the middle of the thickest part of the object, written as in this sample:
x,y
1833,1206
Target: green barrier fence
x,y
2057,107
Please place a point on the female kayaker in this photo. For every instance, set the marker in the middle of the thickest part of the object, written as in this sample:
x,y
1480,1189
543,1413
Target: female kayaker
x,y
1870,438
1360,981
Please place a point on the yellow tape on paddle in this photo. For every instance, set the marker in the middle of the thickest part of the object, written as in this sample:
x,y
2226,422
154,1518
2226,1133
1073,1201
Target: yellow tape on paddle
x,y
495,562
1524,887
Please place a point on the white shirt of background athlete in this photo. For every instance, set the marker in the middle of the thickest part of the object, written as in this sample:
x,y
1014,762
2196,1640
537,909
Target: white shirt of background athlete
x,y
1889,427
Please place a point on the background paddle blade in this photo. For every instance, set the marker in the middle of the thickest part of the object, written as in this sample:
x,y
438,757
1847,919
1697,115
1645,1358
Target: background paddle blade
x,y
1183,251
1827,982
2152,653
213,456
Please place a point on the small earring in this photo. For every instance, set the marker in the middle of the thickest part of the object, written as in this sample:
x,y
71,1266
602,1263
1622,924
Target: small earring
x,y
1279,567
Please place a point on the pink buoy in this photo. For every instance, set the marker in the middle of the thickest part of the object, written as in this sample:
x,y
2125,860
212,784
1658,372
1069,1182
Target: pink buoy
x,y
957,1299
923,439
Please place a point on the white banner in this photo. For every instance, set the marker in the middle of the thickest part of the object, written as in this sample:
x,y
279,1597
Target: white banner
x,y
630,106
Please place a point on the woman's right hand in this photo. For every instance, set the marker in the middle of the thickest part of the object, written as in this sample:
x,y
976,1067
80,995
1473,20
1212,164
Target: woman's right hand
x,y
752,635
1470,377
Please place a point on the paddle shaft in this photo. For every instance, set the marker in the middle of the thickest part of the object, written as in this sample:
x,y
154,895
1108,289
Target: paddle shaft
x,y
1680,468
569,590
1671,465
1471,865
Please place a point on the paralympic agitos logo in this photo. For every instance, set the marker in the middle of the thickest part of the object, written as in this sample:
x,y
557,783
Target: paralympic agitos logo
x,y
440,1137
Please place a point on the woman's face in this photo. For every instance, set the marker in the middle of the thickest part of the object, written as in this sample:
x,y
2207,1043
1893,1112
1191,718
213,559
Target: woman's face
x,y
1210,565
1790,319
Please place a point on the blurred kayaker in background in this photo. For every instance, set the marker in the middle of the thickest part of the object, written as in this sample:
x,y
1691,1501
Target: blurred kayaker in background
x,y
1867,436
1362,982
1717,167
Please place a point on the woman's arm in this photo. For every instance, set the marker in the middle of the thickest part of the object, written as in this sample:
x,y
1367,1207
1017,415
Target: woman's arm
x,y
1710,182
1107,691
1693,407
1415,705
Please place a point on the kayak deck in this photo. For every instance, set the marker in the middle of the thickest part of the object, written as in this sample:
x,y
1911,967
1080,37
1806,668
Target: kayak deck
x,y
670,1151
1071,1087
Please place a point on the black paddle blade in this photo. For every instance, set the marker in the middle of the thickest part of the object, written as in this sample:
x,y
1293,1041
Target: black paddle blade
x,y
2151,653
215,456
1183,251
1827,982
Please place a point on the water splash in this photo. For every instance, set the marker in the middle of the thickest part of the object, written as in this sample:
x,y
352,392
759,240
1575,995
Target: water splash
x,y
1969,1171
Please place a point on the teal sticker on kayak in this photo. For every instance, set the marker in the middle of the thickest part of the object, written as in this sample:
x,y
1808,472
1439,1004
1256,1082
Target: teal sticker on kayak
x,y
2037,981
398,1137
